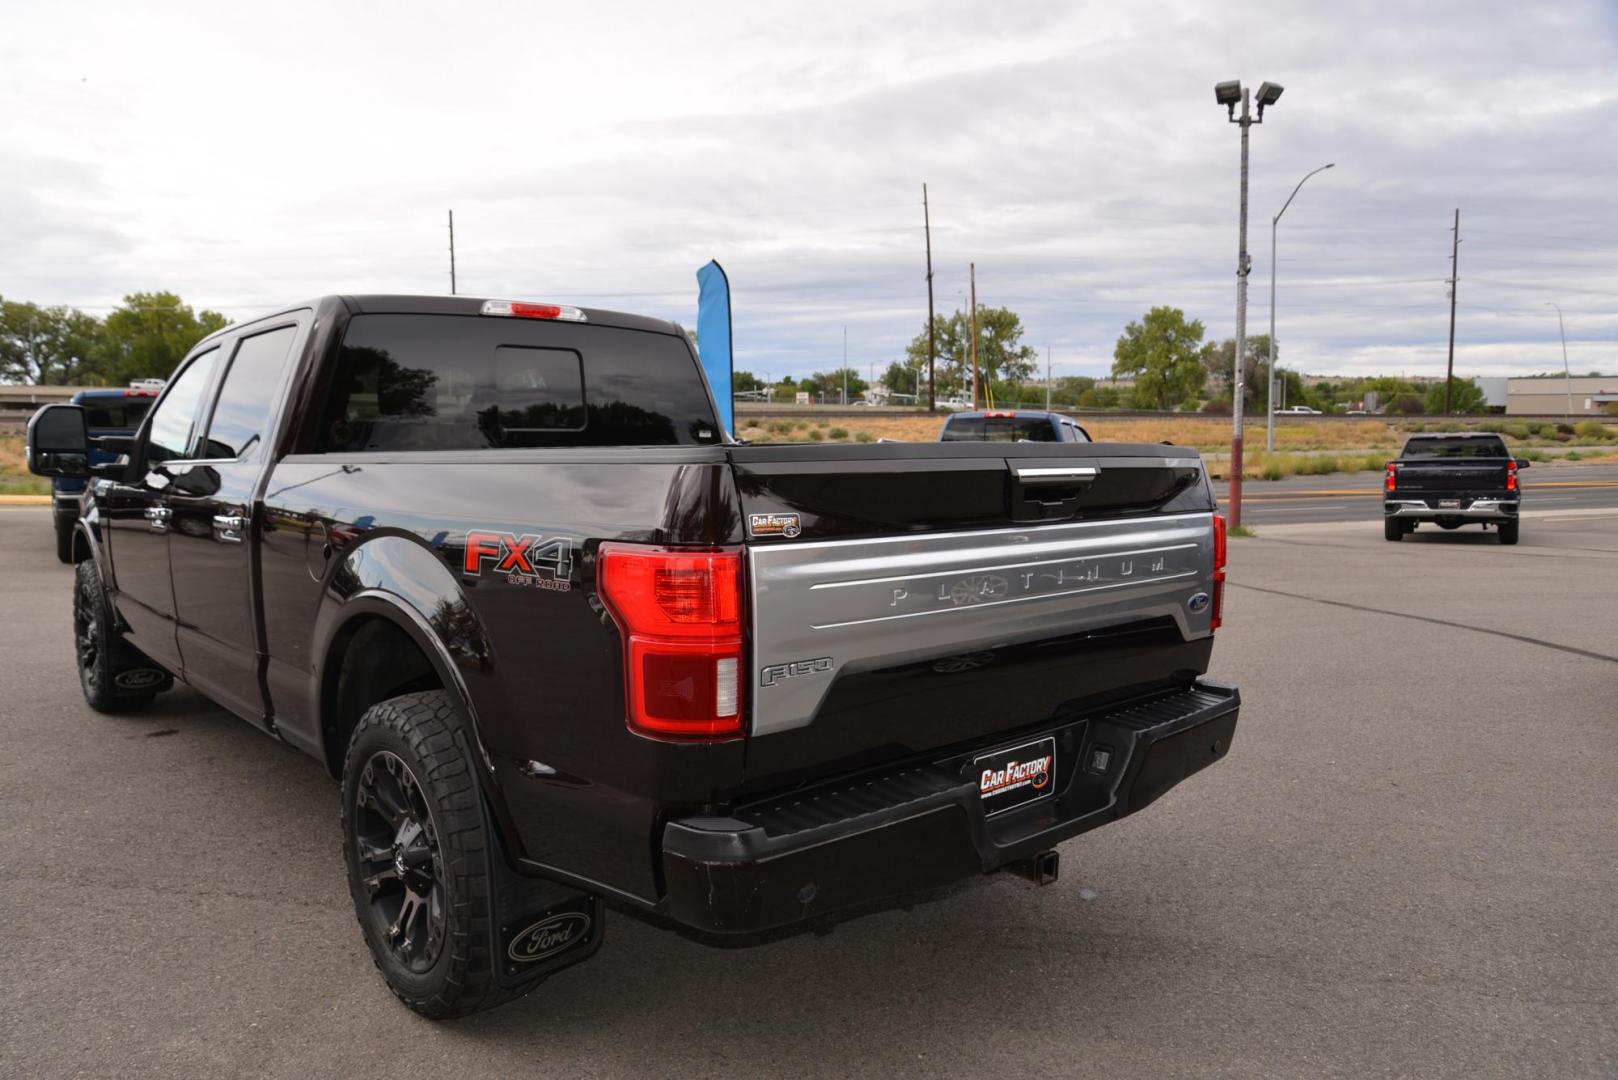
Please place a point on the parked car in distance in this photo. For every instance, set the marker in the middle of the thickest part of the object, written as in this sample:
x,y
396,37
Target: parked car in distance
x,y
112,411
497,567
1297,410
1466,478
1007,425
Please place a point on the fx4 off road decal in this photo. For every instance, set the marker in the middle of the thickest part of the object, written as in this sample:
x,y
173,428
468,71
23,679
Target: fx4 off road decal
x,y
528,559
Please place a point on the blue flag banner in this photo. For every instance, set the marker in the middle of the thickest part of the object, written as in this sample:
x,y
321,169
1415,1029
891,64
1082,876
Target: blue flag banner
x,y
713,338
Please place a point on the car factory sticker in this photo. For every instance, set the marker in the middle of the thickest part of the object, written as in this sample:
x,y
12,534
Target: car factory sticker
x,y
786,525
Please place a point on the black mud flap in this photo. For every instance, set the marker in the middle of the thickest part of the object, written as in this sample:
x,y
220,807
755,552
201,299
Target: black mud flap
x,y
541,926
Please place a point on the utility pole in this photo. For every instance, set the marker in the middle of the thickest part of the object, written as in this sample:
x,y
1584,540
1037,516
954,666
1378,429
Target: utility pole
x,y
1047,378
932,345
976,391
452,253
1454,277
845,363
1243,264
1567,372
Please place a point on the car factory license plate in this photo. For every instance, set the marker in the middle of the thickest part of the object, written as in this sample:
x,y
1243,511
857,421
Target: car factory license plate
x,y
1018,776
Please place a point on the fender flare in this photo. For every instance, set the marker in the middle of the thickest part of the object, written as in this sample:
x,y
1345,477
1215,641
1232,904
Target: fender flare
x,y
396,577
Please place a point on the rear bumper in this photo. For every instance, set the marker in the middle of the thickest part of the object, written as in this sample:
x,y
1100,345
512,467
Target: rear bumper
x,y
883,835
1484,509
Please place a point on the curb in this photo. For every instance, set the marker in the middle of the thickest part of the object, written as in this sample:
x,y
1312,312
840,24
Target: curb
x,y
25,500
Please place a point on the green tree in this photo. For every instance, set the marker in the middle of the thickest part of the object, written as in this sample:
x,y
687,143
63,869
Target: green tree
x,y
1466,399
48,346
830,384
1001,354
1220,362
1069,388
150,334
1163,354
905,376
744,381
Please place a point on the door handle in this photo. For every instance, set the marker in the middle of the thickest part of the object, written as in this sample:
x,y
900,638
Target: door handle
x,y
158,517
229,528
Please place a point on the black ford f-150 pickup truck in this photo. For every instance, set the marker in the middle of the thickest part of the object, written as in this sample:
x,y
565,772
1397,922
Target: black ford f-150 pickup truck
x,y
1468,478
561,641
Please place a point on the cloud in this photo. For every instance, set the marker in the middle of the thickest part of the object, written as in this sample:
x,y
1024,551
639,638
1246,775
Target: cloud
x,y
1074,153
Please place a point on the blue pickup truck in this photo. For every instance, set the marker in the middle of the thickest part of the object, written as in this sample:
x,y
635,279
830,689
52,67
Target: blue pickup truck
x,y
110,411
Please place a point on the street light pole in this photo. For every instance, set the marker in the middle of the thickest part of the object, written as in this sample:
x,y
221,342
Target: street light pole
x,y
1269,396
1566,371
1229,94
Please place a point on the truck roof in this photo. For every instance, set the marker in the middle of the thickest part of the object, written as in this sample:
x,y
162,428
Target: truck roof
x,y
1455,435
403,304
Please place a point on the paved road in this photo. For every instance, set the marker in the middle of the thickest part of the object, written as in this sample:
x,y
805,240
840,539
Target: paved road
x,y
1357,496
1407,866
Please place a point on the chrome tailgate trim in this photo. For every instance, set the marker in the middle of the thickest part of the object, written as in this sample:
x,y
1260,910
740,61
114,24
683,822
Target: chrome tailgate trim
x,y
824,608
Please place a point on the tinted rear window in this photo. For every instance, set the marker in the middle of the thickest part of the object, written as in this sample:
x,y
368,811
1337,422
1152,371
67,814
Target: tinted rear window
x,y
1455,448
999,429
117,414
451,382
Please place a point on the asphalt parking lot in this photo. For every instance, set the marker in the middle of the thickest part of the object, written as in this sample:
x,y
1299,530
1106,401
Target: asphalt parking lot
x,y
1407,865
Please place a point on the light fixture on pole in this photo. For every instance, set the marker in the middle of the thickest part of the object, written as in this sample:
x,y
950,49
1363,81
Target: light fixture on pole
x,y
1269,430
1566,371
1230,94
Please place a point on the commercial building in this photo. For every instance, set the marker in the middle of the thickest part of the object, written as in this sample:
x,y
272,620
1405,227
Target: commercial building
x,y
1550,396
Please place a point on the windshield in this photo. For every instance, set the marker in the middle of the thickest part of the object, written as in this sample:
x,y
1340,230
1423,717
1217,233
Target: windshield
x,y
1455,448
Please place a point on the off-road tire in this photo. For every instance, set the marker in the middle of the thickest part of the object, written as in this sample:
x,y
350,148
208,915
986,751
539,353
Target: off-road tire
x,y
1508,531
102,657
423,733
1393,529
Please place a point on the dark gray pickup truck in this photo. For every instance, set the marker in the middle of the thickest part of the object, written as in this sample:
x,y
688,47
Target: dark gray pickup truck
x,y
498,567
1467,478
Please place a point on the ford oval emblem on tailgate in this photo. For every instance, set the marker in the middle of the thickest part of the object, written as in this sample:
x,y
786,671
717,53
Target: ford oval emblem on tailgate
x,y
1199,602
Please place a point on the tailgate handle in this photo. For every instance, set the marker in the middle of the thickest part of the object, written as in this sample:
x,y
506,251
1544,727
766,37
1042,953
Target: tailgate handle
x,y
1083,474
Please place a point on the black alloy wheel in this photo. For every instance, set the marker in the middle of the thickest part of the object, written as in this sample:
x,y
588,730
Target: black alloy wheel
x,y
113,676
396,844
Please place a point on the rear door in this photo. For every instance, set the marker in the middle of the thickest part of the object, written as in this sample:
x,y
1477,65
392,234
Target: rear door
x,y
136,513
212,540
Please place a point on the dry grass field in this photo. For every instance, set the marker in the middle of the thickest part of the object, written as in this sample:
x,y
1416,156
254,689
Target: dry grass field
x,y
14,476
1316,448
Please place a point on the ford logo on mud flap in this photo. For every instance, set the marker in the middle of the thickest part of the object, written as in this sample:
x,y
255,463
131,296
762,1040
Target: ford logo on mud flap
x,y
549,936
138,679
1199,602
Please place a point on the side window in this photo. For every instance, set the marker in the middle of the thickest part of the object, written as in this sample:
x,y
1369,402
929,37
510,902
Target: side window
x,y
169,437
251,388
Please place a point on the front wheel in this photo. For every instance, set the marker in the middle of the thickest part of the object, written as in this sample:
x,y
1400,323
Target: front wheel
x,y
114,677
64,539
418,852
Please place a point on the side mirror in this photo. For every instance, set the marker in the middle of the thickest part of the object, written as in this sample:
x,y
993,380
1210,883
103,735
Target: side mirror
x,y
1523,463
58,442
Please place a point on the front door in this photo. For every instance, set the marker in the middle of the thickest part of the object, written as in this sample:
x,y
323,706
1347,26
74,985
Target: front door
x,y
136,515
213,538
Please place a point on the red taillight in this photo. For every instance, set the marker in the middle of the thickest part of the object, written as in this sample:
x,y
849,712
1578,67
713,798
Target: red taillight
x,y
1220,542
521,309
1392,482
1511,476
681,615
1000,415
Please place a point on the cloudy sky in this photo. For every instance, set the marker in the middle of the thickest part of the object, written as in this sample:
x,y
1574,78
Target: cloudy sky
x,y
248,155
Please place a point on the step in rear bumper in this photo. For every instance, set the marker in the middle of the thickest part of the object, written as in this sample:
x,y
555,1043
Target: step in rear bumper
x,y
877,836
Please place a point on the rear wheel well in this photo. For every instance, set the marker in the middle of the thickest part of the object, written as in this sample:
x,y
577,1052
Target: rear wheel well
x,y
371,661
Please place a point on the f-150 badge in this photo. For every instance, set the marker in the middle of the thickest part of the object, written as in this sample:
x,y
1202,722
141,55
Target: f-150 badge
x,y
786,525
526,559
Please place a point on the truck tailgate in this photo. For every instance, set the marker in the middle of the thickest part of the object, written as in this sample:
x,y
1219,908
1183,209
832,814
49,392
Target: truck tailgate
x,y
1434,477
910,598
